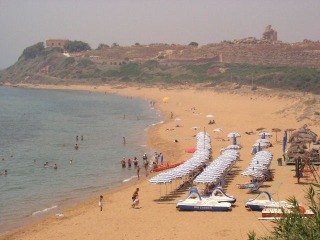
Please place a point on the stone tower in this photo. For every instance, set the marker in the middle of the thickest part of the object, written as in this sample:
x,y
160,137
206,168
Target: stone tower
x,y
270,34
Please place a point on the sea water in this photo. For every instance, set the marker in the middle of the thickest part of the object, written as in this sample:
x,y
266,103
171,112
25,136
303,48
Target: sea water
x,y
38,126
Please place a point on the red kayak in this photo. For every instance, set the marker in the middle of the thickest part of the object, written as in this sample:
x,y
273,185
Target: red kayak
x,y
161,167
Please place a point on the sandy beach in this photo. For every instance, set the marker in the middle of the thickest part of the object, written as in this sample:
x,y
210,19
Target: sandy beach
x,y
154,219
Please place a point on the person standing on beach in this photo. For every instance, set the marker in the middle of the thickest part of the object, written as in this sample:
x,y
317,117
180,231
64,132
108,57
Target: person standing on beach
x,y
101,202
161,158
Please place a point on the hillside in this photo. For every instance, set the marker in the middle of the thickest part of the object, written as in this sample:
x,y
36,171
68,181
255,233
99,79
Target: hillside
x,y
242,62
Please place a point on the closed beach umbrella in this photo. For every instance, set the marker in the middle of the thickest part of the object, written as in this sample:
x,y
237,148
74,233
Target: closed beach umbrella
x,y
284,143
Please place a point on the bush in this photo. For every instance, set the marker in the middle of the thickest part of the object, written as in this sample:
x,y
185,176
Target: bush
x,y
295,225
76,46
68,61
195,44
84,63
102,46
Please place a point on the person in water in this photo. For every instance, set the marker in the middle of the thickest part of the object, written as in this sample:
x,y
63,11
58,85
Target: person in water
x,y
138,172
123,162
135,162
129,163
76,146
55,167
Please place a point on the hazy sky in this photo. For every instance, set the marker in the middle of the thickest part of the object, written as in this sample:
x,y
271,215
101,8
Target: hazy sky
x,y
26,22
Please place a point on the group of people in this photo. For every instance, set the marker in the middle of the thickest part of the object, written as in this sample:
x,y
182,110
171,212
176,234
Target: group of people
x,y
46,165
124,162
76,146
135,200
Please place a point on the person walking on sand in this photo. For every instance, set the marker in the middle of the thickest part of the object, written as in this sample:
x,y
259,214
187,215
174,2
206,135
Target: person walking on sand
x,y
134,197
101,202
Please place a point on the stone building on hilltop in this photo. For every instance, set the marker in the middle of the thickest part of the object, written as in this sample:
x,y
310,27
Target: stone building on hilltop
x,y
56,42
270,34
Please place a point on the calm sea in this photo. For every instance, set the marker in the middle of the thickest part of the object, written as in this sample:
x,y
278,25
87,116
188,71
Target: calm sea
x,y
38,126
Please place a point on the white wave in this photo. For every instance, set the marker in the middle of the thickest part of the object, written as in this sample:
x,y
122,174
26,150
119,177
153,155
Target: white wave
x,y
153,124
44,210
129,179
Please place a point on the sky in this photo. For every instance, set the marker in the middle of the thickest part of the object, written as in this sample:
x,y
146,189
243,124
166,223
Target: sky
x,y
126,22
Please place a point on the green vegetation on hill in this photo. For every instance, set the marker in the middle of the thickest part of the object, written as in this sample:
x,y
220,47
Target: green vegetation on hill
x,y
48,65
76,46
33,51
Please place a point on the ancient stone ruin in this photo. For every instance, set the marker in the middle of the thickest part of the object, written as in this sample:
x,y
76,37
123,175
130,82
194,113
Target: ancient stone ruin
x,y
270,34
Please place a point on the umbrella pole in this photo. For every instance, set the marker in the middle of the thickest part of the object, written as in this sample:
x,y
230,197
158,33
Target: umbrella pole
x,y
204,137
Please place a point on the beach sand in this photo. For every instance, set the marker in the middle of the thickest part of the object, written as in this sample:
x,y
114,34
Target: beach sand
x,y
158,219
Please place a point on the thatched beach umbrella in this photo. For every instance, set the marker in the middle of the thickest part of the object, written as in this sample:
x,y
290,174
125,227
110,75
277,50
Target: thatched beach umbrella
x,y
276,130
260,129
303,135
298,140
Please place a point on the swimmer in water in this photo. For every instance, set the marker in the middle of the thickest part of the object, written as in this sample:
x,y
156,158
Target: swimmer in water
x,y
123,162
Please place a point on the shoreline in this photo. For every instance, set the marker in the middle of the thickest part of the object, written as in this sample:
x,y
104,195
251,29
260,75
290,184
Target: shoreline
x,y
160,139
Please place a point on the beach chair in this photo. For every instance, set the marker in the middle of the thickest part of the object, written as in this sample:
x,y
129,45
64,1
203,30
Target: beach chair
x,y
255,187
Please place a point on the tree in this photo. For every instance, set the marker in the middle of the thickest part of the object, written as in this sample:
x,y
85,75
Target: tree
x,y
115,45
76,46
102,46
33,51
195,44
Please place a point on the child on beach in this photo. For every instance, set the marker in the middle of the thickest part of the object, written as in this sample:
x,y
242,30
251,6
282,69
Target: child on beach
x,y
101,202
135,198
